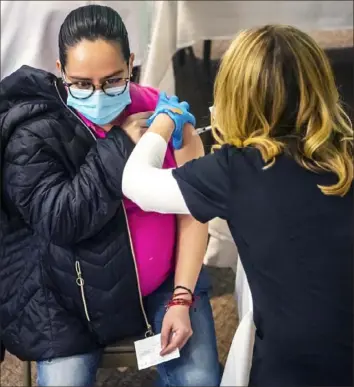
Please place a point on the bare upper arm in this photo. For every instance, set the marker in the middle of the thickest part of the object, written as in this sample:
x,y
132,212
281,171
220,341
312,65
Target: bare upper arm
x,y
192,146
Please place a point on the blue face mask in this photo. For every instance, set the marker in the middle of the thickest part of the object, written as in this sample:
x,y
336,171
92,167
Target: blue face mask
x,y
100,108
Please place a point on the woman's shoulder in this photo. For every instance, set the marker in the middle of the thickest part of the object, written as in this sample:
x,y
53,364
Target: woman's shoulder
x,y
44,124
31,127
29,136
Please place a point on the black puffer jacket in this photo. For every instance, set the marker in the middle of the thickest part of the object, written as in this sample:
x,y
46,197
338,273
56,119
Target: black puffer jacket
x,y
67,275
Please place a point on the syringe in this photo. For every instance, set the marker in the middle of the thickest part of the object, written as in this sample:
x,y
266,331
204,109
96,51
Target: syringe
x,y
200,131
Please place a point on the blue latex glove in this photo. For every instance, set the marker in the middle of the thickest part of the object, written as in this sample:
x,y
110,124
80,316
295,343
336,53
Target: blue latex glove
x,y
179,114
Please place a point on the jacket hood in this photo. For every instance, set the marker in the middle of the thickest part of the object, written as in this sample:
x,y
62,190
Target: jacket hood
x,y
25,94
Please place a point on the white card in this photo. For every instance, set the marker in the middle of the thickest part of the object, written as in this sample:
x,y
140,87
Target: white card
x,y
148,352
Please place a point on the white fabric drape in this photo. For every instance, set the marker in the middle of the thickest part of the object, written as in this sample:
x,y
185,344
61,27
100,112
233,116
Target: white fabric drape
x,y
222,252
29,30
179,24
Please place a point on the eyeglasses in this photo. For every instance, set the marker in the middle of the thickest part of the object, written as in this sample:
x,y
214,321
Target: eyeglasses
x,y
109,87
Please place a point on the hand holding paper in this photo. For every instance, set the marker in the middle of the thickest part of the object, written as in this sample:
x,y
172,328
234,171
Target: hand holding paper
x,y
148,352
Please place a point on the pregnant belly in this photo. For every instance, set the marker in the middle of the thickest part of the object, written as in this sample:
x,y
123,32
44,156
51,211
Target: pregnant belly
x,y
153,237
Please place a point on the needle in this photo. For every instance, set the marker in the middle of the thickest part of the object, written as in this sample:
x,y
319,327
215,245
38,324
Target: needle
x,y
199,131
206,128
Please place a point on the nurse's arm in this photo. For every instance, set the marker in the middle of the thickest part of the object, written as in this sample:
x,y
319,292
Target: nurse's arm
x,y
144,182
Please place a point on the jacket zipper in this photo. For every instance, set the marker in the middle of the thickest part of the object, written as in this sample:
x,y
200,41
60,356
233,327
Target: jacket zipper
x,y
149,331
80,283
79,279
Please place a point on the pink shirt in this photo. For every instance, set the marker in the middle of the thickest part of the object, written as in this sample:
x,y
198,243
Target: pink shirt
x,y
153,235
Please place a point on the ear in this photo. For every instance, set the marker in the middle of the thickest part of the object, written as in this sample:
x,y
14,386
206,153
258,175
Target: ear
x,y
58,65
131,62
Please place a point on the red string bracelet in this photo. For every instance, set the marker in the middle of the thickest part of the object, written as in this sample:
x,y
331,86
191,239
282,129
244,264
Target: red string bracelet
x,y
179,301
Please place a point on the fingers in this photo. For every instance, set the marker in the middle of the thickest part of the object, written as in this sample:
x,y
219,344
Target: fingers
x,y
184,105
185,341
172,345
178,340
139,116
165,336
142,123
174,99
177,143
163,95
137,119
191,119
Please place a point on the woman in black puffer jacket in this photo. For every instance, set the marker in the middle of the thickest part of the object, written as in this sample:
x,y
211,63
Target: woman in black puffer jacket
x,y
69,280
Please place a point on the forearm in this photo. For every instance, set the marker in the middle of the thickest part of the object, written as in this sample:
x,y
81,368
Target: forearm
x,y
192,238
144,182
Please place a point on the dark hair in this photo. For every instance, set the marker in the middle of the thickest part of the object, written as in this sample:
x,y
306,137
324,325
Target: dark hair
x,y
92,22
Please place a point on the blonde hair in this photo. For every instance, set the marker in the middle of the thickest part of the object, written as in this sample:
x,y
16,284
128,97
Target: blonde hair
x,y
275,91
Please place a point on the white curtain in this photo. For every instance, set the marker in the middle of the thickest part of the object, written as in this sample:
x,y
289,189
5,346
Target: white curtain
x,y
30,29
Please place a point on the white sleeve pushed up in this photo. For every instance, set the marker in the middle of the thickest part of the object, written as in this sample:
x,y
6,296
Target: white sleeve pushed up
x,y
144,182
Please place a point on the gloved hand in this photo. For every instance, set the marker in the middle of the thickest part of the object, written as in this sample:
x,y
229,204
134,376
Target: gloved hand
x,y
179,114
